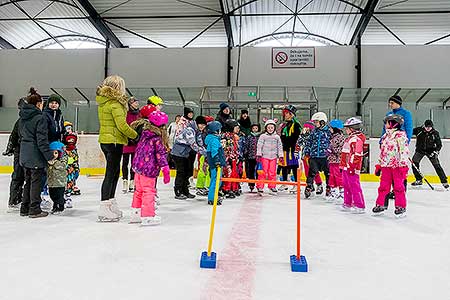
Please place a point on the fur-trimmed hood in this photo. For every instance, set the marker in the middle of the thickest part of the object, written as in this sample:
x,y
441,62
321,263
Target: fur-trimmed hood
x,y
144,124
106,94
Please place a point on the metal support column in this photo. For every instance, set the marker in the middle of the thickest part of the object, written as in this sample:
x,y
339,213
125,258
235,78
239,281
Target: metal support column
x,y
107,45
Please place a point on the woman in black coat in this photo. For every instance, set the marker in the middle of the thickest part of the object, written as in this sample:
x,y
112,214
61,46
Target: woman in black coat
x,y
34,154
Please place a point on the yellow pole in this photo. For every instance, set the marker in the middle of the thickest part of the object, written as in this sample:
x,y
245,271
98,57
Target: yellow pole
x,y
213,218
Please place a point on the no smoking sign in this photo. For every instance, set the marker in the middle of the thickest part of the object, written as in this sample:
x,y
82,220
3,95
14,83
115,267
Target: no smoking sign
x,y
281,58
293,57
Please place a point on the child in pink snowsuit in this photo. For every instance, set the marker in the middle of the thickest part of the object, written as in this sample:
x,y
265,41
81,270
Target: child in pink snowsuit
x,y
150,158
351,163
268,152
393,165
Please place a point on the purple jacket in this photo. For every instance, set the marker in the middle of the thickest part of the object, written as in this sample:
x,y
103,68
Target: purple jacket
x,y
150,155
131,117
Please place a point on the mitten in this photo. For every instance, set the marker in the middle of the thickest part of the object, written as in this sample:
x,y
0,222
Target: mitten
x,y
166,174
377,170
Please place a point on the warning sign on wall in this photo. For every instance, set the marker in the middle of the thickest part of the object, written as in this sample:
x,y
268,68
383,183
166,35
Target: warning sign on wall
x,y
293,57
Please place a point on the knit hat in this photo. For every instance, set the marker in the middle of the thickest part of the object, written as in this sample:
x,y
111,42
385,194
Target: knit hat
x,y
244,111
209,119
428,123
56,146
186,111
397,99
155,100
223,105
201,120
257,125
309,125
214,127
54,98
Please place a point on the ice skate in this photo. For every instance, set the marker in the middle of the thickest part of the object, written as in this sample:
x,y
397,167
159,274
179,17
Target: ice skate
x,y
131,186
76,191
46,204
201,192
293,189
260,192
400,212
115,208
319,190
190,196
251,189
273,191
308,191
327,192
378,210
13,208
332,195
346,208
57,212
68,203
157,200
283,188
191,183
125,186
358,210
446,186
106,214
151,221
135,217
417,183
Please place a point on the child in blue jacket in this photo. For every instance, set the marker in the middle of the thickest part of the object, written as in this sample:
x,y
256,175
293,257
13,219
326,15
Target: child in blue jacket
x,y
215,156
316,148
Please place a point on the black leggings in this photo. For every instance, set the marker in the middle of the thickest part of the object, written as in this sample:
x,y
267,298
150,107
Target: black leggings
x,y
57,196
113,154
127,158
183,174
17,181
286,170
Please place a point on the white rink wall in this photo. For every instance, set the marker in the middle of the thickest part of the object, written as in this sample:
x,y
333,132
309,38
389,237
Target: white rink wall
x,y
91,157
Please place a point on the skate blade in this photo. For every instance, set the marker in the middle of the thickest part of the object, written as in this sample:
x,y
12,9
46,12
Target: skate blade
x,y
107,220
400,216
379,214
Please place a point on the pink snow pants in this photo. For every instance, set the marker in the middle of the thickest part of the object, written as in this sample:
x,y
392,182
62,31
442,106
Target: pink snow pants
x,y
144,195
335,179
317,179
270,172
353,195
396,177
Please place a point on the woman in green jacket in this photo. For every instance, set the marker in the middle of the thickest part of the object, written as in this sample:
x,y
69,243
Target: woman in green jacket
x,y
114,133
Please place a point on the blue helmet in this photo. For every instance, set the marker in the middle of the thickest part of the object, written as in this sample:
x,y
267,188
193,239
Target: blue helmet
x,y
336,124
214,127
56,146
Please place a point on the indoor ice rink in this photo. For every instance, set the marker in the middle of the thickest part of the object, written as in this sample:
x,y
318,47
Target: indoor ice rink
x,y
132,133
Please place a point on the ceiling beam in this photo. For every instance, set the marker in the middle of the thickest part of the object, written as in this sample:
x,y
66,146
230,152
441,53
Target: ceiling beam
x,y
364,20
100,24
227,24
5,44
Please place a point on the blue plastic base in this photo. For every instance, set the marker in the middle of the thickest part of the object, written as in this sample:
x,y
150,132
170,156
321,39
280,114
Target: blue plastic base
x,y
299,265
208,262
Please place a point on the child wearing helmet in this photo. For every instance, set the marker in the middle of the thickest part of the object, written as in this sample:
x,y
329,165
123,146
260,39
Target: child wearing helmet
x,y
316,149
70,140
301,142
290,131
215,156
351,163
269,153
336,191
393,164
150,158
203,176
57,177
230,143
128,150
250,148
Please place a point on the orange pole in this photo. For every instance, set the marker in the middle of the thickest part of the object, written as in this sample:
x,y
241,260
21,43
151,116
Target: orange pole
x,y
299,174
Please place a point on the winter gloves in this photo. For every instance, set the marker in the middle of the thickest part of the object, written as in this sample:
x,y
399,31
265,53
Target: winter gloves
x,y
166,173
377,170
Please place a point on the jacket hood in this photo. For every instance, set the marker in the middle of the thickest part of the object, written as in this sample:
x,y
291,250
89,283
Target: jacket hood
x,y
211,136
28,111
146,125
360,135
106,94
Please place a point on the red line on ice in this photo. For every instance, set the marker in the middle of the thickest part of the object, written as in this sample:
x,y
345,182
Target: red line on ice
x,y
234,276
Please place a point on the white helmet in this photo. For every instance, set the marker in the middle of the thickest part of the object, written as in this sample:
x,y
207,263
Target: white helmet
x,y
319,116
353,122
270,121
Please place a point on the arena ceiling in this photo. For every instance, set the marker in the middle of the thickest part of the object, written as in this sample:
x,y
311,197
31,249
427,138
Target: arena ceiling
x,y
62,24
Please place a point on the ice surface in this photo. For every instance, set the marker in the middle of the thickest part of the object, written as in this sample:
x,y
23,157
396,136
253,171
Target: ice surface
x,y
349,256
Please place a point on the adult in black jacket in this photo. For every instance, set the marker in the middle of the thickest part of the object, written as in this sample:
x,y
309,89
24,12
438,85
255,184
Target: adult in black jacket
x,y
34,154
428,144
245,123
224,113
290,132
17,177
54,119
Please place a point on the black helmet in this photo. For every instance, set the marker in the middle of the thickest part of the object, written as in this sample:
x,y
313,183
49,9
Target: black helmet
x,y
394,118
230,124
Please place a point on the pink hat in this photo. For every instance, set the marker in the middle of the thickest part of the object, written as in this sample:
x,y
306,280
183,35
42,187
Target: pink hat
x,y
309,125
